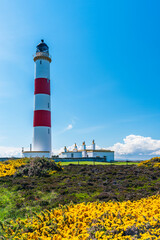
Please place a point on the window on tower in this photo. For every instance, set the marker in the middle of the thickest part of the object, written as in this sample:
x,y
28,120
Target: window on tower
x,y
48,105
48,131
40,62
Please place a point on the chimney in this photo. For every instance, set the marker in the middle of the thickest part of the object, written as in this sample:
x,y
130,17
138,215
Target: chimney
x,y
83,146
93,145
65,149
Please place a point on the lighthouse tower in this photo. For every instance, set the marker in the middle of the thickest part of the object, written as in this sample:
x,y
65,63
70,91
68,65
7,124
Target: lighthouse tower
x,y
42,104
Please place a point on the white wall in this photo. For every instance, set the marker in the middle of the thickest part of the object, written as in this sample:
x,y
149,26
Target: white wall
x,y
69,155
77,154
42,70
109,155
36,154
42,139
84,153
42,102
65,155
89,154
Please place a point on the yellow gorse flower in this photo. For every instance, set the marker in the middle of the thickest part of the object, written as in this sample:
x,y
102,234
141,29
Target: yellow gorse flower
x,y
153,162
51,172
8,168
112,220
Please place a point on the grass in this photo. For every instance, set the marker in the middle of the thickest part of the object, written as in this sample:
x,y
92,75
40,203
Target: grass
x,y
14,204
97,163
11,204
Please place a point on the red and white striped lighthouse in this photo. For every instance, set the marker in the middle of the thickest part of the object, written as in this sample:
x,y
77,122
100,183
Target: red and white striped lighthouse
x,y
42,104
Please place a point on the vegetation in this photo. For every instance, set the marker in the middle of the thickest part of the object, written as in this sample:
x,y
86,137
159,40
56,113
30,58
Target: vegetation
x,y
126,194
8,168
29,167
98,163
153,162
112,220
40,167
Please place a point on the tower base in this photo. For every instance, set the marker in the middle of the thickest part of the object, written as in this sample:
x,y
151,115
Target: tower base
x,y
32,154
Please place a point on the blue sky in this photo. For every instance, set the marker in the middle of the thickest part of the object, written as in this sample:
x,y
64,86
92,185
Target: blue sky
x,y
105,73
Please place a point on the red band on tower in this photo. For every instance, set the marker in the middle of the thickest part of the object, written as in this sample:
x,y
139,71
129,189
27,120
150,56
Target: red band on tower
x,y
42,118
42,86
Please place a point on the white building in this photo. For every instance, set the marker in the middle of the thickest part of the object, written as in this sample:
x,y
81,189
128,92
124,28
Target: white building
x,y
106,155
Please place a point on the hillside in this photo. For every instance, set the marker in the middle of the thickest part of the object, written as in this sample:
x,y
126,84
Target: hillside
x,y
22,195
77,184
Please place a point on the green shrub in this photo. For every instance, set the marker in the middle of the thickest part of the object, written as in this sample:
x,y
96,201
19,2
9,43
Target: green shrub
x,y
39,167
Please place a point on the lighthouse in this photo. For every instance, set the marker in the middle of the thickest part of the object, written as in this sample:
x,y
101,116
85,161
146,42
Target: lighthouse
x,y
42,104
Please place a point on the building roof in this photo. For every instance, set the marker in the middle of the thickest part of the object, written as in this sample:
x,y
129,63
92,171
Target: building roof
x,y
88,150
36,151
100,150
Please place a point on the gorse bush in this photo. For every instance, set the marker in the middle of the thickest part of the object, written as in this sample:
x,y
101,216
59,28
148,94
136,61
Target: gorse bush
x,y
29,167
153,162
112,220
9,167
39,167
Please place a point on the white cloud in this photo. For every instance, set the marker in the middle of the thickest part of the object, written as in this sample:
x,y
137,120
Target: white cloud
x,y
136,147
57,151
10,152
70,126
